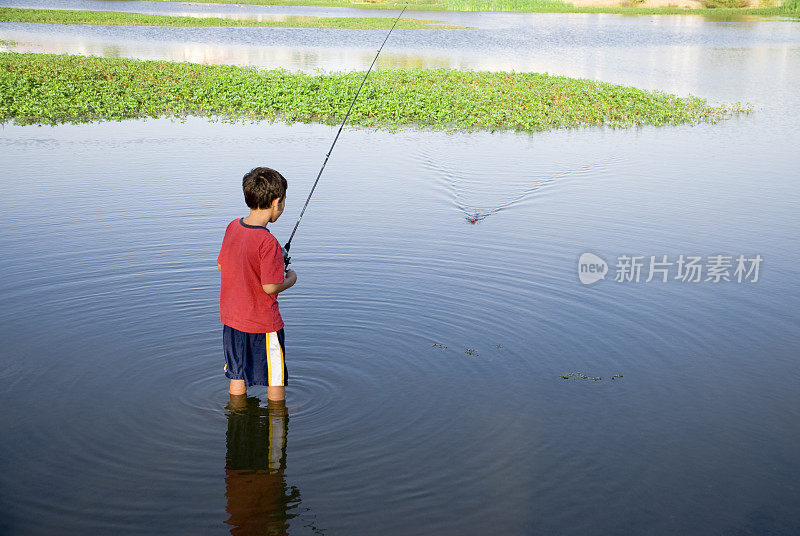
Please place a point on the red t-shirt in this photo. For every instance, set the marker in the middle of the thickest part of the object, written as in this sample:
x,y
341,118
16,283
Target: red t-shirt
x,y
250,257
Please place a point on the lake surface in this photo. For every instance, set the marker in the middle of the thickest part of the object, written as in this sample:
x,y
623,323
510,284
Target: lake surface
x,y
425,353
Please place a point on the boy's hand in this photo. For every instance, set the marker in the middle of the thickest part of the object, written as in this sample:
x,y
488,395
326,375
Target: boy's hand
x,y
290,278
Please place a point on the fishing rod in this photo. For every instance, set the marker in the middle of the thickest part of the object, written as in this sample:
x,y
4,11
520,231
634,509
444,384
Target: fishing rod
x,y
286,258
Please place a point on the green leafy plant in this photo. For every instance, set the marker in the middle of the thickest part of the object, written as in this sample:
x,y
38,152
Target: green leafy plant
x,y
535,6
582,376
714,4
791,7
59,16
52,89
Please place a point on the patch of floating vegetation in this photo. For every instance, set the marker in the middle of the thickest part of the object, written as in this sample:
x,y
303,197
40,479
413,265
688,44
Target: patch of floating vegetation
x,y
471,351
791,7
53,89
439,345
7,43
787,8
582,376
112,18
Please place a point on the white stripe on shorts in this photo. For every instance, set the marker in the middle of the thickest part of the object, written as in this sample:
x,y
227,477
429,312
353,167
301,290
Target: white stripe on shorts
x,y
274,359
277,440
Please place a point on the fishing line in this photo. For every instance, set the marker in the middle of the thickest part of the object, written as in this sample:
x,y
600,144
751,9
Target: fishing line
x,y
286,258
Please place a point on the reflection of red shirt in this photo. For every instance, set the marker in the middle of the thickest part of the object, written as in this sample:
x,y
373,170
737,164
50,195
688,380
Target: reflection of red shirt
x,y
258,502
250,257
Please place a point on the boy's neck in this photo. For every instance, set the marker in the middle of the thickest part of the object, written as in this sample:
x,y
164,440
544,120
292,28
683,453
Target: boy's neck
x,y
258,217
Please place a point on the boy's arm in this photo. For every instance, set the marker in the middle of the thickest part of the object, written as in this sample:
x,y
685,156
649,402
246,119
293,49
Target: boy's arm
x,y
289,280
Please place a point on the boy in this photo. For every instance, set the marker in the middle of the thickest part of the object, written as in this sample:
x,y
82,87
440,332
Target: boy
x,y
252,274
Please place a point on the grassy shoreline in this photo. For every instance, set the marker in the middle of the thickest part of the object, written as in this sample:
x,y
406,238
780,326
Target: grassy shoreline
x,y
114,18
789,8
55,89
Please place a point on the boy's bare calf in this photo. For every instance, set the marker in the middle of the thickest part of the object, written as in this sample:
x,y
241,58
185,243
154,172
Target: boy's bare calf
x,y
277,392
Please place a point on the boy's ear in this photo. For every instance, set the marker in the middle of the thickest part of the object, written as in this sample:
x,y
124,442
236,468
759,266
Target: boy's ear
x,y
275,202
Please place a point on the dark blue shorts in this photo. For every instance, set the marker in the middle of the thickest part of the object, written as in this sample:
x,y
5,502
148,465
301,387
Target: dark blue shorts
x,y
256,358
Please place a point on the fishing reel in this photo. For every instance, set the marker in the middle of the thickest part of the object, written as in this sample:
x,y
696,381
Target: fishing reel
x,y
287,260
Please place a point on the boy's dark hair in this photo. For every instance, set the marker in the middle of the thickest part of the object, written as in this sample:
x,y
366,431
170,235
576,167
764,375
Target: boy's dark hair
x,y
261,186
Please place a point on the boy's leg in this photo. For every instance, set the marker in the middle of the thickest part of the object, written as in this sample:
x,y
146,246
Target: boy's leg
x,y
238,387
277,392
234,344
277,366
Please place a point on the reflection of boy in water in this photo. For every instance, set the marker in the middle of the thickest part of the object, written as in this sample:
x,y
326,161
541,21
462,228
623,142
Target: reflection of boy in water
x,y
259,501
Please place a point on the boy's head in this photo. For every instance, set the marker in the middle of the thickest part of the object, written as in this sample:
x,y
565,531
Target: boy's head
x,y
263,187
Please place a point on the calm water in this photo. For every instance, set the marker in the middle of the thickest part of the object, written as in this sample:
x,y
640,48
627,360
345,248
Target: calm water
x,y
116,417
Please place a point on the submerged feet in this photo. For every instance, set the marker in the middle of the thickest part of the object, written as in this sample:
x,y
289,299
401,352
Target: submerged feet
x,y
239,388
276,393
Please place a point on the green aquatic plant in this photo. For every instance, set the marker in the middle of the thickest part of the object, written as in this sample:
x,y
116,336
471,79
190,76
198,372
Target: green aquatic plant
x,y
582,376
113,18
7,43
716,4
471,351
502,5
791,7
53,89
439,345
529,6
